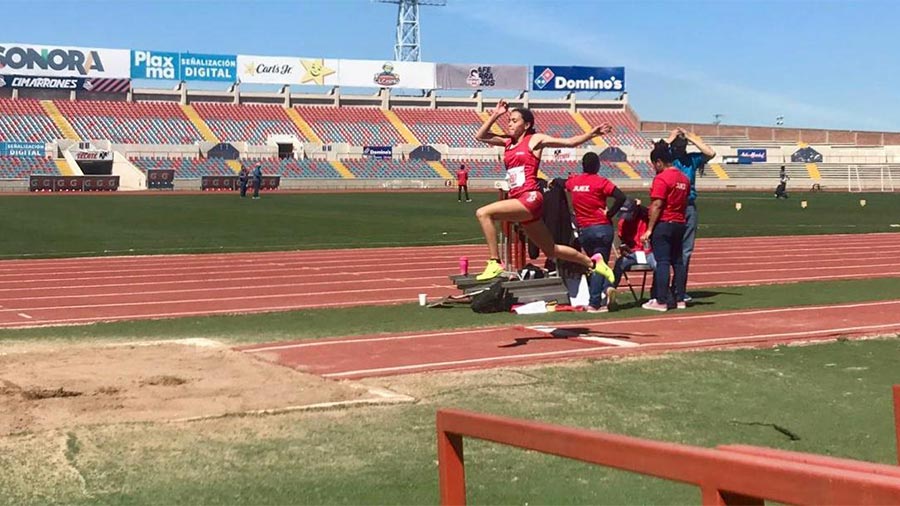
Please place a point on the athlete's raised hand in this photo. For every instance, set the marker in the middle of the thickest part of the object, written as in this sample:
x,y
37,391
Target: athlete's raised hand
x,y
501,108
601,129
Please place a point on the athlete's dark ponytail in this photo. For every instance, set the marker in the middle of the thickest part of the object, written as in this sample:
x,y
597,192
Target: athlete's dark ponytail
x,y
527,117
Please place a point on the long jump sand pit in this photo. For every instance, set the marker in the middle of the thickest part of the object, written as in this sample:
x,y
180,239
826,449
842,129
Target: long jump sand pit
x,y
75,385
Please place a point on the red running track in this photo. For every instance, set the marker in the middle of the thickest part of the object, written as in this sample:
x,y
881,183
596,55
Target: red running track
x,y
88,290
383,355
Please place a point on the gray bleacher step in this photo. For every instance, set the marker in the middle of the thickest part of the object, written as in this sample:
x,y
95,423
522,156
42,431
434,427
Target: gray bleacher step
x,y
529,290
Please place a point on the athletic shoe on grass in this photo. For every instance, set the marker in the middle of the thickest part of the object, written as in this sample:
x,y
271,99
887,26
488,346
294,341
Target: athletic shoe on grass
x,y
611,297
652,305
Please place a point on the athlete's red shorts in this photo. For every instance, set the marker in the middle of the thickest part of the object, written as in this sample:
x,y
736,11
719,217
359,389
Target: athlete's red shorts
x,y
534,202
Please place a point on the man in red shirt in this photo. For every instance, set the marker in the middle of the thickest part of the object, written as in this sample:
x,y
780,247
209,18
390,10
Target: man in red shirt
x,y
462,183
665,230
590,192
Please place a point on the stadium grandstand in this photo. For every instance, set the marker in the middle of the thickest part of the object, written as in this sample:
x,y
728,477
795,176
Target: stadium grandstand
x,y
386,139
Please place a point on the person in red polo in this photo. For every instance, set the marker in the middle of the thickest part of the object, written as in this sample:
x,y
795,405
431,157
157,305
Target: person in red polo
x,y
590,192
665,230
462,183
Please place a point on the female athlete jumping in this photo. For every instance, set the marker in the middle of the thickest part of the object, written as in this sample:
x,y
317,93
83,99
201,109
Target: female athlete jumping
x,y
522,157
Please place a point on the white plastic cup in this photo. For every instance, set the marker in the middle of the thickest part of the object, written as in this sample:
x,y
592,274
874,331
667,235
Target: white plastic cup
x,y
422,299
737,206
862,202
803,204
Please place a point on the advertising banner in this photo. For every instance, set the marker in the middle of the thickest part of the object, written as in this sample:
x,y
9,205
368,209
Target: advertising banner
x,y
555,78
208,67
386,74
63,61
23,149
66,83
287,70
155,65
476,76
378,151
72,183
753,155
268,69
93,155
559,154
161,179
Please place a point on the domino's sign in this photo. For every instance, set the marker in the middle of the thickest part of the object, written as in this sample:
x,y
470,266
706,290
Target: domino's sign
x,y
155,65
555,78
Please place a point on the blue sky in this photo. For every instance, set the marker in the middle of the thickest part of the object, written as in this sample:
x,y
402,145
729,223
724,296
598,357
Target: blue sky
x,y
820,64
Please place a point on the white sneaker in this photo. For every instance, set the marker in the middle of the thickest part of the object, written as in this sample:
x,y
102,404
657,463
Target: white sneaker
x,y
652,305
681,305
601,309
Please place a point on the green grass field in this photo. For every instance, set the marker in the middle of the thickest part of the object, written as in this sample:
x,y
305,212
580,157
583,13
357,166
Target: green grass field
x,y
87,225
835,397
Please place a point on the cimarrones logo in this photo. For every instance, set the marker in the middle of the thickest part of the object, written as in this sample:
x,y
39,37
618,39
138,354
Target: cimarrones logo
x,y
544,78
387,77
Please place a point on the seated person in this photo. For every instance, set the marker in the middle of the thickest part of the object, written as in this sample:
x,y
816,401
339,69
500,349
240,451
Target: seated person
x,y
633,221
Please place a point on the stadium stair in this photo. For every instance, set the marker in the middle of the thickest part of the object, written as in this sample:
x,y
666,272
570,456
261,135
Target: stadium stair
x,y
64,167
624,167
719,171
407,134
813,171
199,124
310,134
61,122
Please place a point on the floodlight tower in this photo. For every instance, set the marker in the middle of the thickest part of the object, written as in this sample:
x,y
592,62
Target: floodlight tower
x,y
407,46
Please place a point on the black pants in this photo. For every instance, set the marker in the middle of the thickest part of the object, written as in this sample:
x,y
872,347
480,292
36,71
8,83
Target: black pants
x,y
256,186
244,189
459,191
667,242
781,191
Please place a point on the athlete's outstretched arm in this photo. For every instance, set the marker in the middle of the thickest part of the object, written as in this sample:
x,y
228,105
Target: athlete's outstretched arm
x,y
484,133
545,141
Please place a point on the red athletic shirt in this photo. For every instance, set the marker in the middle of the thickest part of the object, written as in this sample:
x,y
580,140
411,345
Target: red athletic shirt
x,y
462,177
589,194
521,167
672,187
630,231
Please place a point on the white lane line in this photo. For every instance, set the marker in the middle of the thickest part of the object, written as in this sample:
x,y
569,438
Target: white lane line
x,y
584,351
592,323
23,315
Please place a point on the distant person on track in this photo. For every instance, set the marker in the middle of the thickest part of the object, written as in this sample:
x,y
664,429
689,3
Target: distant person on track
x,y
590,192
257,180
689,164
781,189
666,228
522,157
243,177
462,183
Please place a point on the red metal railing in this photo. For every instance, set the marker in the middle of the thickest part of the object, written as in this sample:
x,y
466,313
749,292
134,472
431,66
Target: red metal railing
x,y
727,475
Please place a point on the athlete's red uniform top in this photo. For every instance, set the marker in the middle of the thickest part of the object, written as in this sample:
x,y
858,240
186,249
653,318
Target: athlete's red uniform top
x,y
522,175
462,177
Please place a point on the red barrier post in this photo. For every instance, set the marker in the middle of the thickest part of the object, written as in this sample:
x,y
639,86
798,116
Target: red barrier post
x,y
724,477
451,466
897,419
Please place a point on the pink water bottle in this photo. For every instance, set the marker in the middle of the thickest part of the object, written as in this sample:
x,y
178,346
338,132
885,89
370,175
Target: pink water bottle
x,y
464,265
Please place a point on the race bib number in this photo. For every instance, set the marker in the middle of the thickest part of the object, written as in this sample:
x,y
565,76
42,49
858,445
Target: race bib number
x,y
515,177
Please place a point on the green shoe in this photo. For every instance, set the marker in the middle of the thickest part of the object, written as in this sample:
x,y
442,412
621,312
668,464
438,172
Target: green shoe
x,y
602,268
493,269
